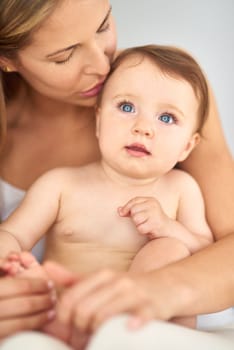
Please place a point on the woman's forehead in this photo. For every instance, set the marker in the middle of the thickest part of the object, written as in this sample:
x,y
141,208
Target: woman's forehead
x,y
72,21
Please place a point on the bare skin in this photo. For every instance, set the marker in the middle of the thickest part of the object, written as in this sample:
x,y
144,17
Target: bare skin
x,y
25,266
145,203
65,125
25,304
27,159
142,197
51,106
212,165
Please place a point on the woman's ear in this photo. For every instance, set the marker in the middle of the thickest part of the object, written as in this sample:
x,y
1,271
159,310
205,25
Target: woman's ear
x,y
6,65
193,142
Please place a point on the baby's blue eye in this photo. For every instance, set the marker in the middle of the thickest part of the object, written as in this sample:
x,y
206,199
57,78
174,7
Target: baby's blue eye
x,y
127,107
166,118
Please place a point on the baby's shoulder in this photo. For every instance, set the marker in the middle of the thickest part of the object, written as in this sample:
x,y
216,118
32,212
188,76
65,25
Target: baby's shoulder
x,y
63,176
181,180
59,174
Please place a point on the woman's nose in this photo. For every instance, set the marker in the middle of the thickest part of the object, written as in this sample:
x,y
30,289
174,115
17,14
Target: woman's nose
x,y
97,61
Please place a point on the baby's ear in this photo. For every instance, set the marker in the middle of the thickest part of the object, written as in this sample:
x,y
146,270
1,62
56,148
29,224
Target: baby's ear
x,y
193,142
97,112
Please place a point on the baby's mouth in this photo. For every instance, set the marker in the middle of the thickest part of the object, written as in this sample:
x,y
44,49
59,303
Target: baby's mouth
x,y
138,149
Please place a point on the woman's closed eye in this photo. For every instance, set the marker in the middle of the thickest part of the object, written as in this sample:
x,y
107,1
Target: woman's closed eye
x,y
104,28
65,60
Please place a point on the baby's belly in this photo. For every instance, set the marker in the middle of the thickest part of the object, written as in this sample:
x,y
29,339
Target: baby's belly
x,y
89,257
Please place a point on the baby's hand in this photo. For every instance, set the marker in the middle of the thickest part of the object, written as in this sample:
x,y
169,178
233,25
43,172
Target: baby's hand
x,y
147,214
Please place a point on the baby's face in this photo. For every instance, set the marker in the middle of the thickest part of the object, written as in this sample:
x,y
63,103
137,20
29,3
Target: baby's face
x,y
146,120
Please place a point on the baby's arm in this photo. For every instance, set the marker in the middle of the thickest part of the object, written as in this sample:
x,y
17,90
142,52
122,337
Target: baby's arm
x,y
190,226
32,219
191,213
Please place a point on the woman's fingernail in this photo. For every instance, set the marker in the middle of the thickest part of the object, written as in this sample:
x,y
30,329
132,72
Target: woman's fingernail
x,y
50,284
51,314
120,210
134,323
53,296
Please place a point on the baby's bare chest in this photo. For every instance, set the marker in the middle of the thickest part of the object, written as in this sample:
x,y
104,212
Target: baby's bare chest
x,y
95,218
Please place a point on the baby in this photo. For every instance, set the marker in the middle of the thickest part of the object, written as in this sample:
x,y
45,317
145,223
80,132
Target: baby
x,y
132,210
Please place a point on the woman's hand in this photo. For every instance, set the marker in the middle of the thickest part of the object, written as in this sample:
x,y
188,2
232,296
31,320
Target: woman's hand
x,y
91,300
25,304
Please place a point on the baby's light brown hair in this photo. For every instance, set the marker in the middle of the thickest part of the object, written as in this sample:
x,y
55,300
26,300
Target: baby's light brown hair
x,y
176,63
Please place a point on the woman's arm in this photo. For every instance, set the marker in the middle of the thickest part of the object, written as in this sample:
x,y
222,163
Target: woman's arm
x,y
212,165
202,283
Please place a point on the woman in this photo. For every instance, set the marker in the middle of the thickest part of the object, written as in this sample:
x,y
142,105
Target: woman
x,y
50,78
54,57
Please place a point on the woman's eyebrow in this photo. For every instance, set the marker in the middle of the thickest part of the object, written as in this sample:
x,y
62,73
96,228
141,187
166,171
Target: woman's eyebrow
x,y
75,45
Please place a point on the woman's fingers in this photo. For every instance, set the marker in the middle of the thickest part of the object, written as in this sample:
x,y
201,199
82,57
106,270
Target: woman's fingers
x,y
13,325
140,310
25,305
11,287
88,308
124,296
59,274
78,293
102,296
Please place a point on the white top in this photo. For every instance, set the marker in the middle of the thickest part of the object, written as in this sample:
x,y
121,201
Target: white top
x,y
10,198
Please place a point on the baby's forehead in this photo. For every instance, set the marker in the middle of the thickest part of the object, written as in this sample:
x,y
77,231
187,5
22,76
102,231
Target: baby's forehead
x,y
132,61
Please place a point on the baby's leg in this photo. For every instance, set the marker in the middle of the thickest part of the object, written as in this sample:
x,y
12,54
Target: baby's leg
x,y
158,253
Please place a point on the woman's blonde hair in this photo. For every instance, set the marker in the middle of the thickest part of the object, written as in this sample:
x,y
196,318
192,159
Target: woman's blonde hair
x,y
18,20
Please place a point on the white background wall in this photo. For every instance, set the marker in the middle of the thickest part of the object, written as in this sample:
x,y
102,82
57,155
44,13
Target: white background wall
x,y
204,27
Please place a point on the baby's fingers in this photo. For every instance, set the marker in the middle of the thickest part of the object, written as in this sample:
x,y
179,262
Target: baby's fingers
x,y
134,205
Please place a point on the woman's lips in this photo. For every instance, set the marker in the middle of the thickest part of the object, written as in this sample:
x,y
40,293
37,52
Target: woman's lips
x,y
94,91
137,150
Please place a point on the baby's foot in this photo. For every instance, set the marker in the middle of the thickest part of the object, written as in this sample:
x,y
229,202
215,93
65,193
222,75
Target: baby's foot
x,y
23,265
11,265
31,267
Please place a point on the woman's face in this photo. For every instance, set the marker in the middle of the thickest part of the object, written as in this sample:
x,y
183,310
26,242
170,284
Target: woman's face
x,y
70,55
